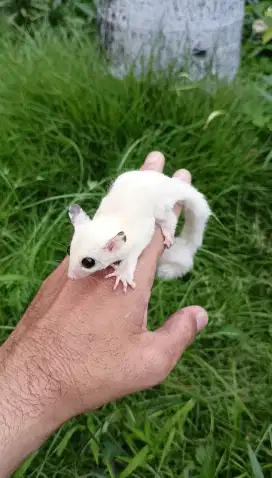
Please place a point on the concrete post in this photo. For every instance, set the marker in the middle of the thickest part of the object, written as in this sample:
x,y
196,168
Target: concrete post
x,y
195,35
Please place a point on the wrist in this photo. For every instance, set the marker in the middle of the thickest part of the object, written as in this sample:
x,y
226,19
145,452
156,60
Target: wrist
x,y
29,404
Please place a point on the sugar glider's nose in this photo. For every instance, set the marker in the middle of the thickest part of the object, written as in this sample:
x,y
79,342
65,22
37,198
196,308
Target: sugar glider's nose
x,y
70,276
75,273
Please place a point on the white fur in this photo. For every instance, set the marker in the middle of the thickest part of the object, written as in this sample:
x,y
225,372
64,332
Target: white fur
x,y
135,203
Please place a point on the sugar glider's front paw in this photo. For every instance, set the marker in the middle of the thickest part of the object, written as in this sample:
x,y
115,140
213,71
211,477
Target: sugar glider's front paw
x,y
123,276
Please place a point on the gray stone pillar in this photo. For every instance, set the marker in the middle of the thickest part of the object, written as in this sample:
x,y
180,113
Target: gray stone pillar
x,y
194,35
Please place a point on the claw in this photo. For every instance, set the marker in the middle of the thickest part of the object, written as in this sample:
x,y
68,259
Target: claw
x,y
118,279
112,274
116,283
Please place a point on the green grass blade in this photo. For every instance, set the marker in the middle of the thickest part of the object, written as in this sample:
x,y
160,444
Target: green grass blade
x,y
67,437
255,465
167,447
20,473
138,460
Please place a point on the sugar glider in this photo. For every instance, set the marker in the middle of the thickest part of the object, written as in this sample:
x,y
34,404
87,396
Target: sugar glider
x,y
124,224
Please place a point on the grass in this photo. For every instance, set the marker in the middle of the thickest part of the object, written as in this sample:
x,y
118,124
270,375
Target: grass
x,y
66,129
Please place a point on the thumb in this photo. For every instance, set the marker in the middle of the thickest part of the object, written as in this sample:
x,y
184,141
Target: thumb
x,y
177,333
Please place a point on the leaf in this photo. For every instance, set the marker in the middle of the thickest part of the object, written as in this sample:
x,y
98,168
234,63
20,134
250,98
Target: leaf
x,y
111,448
268,12
137,461
57,4
109,468
200,454
265,164
131,420
92,184
190,86
221,463
139,434
167,446
267,79
260,121
178,418
24,13
185,75
267,35
186,472
255,465
212,116
4,3
256,51
85,9
228,331
67,437
94,445
265,94
208,463
5,278
21,472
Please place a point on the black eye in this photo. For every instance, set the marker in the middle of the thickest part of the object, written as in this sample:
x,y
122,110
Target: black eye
x,y
88,262
68,251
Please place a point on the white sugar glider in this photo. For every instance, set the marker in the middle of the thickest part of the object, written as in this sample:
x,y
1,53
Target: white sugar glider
x,y
125,222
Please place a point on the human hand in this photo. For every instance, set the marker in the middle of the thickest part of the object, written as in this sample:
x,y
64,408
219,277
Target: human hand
x,y
81,345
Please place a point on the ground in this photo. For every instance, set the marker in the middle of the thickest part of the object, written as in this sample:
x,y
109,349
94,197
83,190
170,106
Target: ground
x,y
67,129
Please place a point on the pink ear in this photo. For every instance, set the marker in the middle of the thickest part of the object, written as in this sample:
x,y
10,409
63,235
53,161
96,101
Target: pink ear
x,y
116,242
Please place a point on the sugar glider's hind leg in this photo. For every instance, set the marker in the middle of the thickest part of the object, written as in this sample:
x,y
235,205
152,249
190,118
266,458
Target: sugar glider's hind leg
x,y
168,226
164,215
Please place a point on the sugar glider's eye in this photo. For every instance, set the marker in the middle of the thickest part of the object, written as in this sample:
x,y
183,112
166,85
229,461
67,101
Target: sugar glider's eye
x,y
68,251
88,262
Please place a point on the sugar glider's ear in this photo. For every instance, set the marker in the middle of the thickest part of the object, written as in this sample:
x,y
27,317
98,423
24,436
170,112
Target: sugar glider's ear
x,y
77,215
116,242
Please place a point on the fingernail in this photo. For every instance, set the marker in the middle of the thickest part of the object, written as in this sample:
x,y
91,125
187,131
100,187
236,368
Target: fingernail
x,y
184,175
201,319
154,158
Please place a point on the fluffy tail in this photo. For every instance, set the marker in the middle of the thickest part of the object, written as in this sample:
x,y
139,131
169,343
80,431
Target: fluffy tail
x,y
178,260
